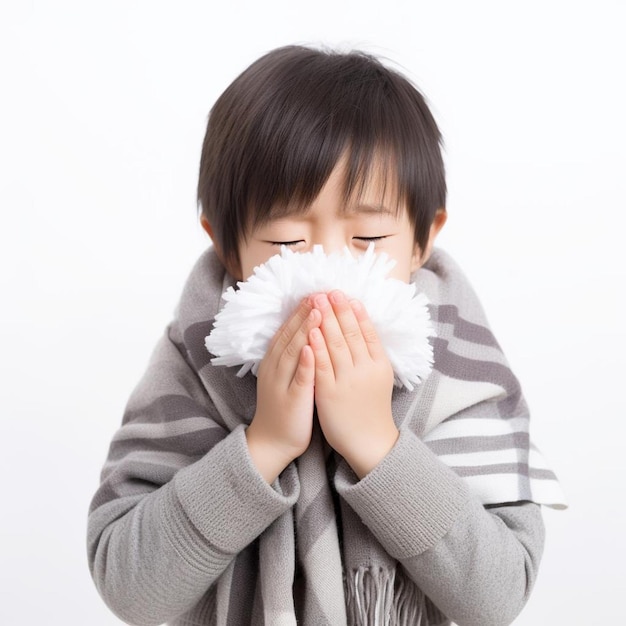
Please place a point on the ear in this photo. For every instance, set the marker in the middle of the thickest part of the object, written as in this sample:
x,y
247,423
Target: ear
x,y
421,256
207,227
209,231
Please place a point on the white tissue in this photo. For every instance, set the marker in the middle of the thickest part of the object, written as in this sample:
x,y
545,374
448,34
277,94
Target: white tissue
x,y
254,312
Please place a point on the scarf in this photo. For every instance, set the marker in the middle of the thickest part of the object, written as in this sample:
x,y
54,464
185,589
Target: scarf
x,y
318,562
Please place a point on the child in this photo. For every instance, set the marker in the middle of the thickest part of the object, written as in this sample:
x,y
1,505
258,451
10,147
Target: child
x,y
319,492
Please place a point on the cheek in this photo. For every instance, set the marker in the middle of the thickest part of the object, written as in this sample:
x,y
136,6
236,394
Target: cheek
x,y
401,271
251,257
406,263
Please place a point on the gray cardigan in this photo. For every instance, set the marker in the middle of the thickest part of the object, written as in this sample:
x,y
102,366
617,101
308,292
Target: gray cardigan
x,y
179,501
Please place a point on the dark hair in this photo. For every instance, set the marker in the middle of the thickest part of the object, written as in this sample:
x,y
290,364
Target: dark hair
x,y
275,135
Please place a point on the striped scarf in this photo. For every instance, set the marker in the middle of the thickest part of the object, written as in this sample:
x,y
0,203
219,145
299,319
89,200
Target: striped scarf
x,y
318,562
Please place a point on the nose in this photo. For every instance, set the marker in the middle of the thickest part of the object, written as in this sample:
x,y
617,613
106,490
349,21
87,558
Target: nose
x,y
331,239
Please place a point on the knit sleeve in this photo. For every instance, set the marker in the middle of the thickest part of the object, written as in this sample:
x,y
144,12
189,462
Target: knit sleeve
x,y
179,497
476,564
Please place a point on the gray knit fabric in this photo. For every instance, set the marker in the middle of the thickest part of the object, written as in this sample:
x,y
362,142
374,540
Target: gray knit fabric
x,y
183,529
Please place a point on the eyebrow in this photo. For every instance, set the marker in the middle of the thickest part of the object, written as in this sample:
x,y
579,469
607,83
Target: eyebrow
x,y
370,209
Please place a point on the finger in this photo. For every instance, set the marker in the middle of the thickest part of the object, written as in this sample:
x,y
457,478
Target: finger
x,y
289,359
286,332
305,372
368,331
349,325
324,372
333,336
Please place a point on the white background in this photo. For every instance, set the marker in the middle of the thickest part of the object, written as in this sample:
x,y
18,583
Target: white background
x,y
103,111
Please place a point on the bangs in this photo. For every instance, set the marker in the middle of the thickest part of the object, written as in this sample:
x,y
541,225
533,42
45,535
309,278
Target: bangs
x,y
284,125
370,171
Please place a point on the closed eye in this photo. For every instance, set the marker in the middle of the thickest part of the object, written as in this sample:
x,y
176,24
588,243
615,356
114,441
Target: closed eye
x,y
371,238
286,243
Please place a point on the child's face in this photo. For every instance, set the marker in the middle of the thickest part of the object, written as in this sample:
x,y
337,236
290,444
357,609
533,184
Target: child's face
x,y
335,226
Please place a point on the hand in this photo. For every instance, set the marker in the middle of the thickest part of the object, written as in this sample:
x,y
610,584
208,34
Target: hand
x,y
353,383
282,426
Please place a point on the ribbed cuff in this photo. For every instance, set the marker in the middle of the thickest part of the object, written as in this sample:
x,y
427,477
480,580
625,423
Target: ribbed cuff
x,y
226,498
409,500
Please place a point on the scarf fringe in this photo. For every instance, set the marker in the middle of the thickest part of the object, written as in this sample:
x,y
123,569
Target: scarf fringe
x,y
377,596
368,596
384,597
410,604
